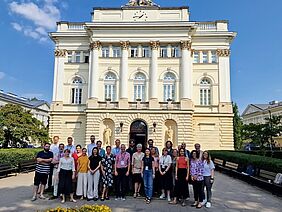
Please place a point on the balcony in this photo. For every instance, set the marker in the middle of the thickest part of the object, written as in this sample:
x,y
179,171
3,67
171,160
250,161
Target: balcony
x,y
212,26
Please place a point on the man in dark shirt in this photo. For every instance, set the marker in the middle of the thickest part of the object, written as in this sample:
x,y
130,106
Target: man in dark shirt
x,y
44,159
131,149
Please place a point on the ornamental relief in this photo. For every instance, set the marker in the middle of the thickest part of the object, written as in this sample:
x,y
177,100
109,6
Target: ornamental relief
x,y
124,45
154,45
223,52
60,52
95,45
187,44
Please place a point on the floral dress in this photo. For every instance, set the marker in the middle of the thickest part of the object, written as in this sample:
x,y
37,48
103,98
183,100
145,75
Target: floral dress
x,y
107,163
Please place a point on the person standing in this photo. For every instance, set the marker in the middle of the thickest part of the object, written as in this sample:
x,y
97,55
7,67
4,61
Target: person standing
x,y
198,149
44,159
82,170
122,168
196,171
148,173
165,174
55,149
107,172
187,152
116,149
66,170
151,145
137,170
70,145
168,146
181,176
93,174
131,150
91,145
102,152
157,173
55,162
208,177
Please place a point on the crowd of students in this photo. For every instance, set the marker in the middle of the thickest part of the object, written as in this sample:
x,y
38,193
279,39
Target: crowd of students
x,y
89,173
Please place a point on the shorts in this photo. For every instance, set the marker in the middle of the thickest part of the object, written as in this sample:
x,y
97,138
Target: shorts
x,y
137,178
40,178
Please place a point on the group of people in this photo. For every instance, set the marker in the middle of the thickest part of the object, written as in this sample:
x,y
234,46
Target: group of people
x,y
89,173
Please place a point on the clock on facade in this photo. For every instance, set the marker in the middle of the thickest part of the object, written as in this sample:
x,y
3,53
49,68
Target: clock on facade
x,y
140,15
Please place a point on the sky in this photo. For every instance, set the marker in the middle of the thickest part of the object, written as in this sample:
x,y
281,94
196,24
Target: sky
x,y
27,59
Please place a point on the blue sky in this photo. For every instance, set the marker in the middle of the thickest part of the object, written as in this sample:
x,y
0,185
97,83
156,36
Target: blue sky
x,y
26,59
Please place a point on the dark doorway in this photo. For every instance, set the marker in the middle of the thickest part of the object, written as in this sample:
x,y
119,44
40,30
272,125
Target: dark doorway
x,y
138,132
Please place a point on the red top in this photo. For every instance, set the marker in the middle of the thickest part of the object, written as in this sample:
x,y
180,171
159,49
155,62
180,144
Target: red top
x,y
182,163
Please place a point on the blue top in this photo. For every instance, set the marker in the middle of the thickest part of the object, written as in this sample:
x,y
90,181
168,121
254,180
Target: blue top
x,y
102,153
115,151
208,168
90,148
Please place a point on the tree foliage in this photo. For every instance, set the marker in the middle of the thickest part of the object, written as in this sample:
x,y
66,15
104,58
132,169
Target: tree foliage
x,y
18,125
237,128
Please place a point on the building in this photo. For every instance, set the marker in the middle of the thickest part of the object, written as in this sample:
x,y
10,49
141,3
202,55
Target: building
x,y
38,108
143,71
257,114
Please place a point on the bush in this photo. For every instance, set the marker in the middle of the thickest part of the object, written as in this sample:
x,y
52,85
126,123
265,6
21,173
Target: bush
x,y
267,153
84,208
15,156
262,162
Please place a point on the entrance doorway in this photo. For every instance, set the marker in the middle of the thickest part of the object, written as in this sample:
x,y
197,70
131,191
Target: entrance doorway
x,y
139,133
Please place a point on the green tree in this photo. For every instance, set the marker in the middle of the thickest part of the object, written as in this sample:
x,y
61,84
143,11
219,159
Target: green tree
x,y
18,125
237,127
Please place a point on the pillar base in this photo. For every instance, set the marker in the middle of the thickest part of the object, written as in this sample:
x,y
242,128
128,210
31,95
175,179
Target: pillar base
x,y
56,106
186,104
225,107
154,104
92,103
123,103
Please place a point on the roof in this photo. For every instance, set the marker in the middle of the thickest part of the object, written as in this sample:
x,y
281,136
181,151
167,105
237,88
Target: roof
x,y
253,108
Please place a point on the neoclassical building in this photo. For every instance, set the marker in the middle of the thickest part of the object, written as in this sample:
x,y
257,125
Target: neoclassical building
x,y
143,71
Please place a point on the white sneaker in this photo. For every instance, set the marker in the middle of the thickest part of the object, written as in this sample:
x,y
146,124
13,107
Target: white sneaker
x,y
123,199
162,196
208,205
204,202
168,199
117,198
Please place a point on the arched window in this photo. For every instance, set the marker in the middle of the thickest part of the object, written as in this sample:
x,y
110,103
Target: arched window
x,y
140,87
169,86
205,92
110,86
76,90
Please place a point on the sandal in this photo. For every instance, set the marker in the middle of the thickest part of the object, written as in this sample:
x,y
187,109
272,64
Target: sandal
x,y
102,199
138,195
42,197
183,204
173,202
194,205
107,198
199,206
72,200
135,195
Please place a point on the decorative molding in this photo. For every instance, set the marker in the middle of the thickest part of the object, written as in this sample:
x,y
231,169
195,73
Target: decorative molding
x,y
186,44
95,45
223,52
60,52
124,45
155,45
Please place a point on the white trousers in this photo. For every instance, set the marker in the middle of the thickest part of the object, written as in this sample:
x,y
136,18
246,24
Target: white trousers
x,y
55,181
93,182
81,189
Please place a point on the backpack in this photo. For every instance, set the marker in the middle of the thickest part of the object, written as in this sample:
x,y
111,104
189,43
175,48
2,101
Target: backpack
x,y
278,179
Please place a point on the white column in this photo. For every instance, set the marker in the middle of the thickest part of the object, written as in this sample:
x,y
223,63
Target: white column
x,y
153,85
93,70
60,55
224,75
186,72
124,71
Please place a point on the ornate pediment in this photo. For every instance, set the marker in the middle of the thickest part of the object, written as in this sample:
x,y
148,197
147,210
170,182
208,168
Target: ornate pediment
x,y
141,3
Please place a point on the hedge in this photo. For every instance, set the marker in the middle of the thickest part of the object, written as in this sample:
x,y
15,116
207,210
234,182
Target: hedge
x,y
267,153
262,162
84,208
15,156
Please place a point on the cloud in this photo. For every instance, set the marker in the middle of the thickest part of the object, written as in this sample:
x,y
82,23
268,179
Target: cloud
x,y
2,75
42,16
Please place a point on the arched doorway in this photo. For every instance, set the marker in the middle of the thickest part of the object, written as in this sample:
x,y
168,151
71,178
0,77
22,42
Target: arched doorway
x,y
139,132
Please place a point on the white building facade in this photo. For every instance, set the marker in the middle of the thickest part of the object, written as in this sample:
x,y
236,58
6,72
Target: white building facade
x,y
141,70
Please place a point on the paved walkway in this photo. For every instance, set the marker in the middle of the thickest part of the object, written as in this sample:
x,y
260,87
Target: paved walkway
x,y
229,195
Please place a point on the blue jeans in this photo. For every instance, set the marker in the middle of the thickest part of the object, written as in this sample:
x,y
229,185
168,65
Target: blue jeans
x,y
148,183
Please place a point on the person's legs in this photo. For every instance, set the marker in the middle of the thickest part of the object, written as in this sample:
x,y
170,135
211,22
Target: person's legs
x,y
90,180
84,177
123,183
96,183
43,181
201,187
208,187
79,191
150,184
55,182
50,177
145,180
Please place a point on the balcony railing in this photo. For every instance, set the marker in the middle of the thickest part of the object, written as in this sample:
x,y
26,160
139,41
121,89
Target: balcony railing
x,y
207,27
75,26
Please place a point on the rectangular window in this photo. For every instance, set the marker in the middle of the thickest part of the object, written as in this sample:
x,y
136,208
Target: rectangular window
x,y
69,57
105,51
76,95
116,51
163,51
205,57
213,57
139,92
175,52
169,92
86,57
196,57
145,52
134,51
110,92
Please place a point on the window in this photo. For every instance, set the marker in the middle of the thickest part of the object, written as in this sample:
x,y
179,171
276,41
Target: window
x,y
163,51
205,92
134,51
76,91
86,57
77,57
110,86
175,51
205,57
116,51
213,57
105,51
169,87
140,87
69,57
196,57
145,52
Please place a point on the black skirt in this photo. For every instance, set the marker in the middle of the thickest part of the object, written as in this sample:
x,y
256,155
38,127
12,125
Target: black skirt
x,y
137,178
181,185
65,182
166,180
